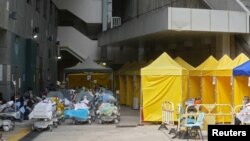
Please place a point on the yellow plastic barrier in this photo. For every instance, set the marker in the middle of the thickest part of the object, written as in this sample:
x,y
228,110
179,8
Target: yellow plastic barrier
x,y
214,113
167,114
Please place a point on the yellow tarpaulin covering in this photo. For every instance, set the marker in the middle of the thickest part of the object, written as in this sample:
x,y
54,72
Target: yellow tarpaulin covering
x,y
224,67
206,68
207,91
123,83
193,83
194,87
130,90
130,83
205,83
133,77
135,86
122,89
183,63
240,83
241,89
162,80
224,96
240,59
116,81
223,87
80,80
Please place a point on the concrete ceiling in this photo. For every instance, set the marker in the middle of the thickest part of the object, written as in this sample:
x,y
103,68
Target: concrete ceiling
x,y
167,37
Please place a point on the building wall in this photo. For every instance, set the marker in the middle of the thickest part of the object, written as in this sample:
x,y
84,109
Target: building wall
x,y
80,44
16,40
122,54
132,8
88,10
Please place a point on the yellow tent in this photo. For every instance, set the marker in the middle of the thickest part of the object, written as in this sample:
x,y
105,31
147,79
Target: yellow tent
x,y
134,78
123,83
201,77
130,84
192,90
241,88
183,63
162,80
223,87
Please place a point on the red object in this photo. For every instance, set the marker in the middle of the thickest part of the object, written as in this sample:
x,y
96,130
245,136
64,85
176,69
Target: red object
x,y
197,101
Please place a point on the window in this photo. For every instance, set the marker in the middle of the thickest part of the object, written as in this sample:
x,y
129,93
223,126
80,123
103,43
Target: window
x,y
38,3
45,9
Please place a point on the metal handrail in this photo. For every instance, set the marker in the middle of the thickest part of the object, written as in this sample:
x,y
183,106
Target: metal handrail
x,y
115,22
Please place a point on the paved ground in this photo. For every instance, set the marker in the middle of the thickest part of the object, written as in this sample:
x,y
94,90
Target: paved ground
x,y
20,130
127,130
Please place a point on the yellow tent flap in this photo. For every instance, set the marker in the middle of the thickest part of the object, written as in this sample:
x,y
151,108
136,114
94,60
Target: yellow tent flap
x,y
241,89
206,68
207,91
194,84
223,96
223,87
157,89
123,82
162,80
122,89
183,63
201,81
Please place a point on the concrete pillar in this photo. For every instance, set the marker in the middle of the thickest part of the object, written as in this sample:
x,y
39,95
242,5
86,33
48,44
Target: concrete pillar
x,y
104,53
110,11
222,45
5,61
104,15
233,46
